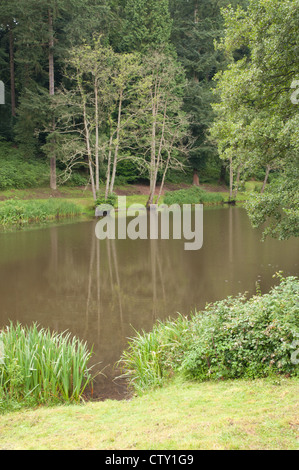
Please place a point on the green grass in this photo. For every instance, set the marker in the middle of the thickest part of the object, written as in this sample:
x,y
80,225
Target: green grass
x,y
234,415
38,366
21,212
193,195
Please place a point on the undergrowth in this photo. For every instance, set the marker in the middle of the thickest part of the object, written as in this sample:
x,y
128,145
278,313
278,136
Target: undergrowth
x,y
233,338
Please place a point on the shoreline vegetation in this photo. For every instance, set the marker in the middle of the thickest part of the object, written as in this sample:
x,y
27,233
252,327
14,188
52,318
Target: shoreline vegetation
x,y
16,212
225,368
25,207
228,399
236,338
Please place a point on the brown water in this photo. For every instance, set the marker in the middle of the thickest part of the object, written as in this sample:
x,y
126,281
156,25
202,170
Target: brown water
x,y
62,277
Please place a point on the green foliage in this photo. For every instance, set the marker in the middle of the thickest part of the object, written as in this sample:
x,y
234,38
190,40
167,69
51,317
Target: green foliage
x,y
19,172
39,366
147,25
277,210
127,172
110,200
193,195
245,338
233,338
256,125
19,212
77,179
151,356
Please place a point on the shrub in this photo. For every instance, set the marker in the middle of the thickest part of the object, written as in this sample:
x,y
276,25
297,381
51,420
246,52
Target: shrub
x,y
111,199
193,195
77,179
41,367
233,338
245,338
18,172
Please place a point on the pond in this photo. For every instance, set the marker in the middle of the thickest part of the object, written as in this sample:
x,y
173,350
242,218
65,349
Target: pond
x,y
64,278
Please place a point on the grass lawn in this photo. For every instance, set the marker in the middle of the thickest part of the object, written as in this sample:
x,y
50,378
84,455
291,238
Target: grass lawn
x,y
260,414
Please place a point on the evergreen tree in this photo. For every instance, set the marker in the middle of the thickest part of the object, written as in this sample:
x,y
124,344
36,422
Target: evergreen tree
x,y
147,25
196,26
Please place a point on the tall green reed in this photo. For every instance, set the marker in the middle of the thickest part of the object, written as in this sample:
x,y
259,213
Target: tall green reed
x,y
18,212
151,356
43,366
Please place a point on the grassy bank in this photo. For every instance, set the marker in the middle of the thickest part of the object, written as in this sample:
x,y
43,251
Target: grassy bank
x,y
260,414
22,212
28,206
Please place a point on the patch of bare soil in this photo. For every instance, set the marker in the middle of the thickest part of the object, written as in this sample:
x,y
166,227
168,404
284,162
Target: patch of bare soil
x,y
214,189
144,189
108,389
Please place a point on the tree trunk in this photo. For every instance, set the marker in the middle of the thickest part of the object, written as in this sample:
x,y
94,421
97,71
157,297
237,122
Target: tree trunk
x,y
266,178
12,72
51,91
87,141
195,178
117,142
237,182
153,159
109,165
231,179
97,136
163,178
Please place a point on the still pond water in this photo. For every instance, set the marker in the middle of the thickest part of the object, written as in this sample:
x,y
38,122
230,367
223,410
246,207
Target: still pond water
x,y
64,278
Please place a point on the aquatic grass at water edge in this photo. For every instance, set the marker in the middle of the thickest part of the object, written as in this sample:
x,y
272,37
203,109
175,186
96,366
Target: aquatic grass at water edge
x,y
41,366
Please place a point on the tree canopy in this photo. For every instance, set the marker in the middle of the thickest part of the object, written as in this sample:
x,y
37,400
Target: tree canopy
x,y
145,86
256,125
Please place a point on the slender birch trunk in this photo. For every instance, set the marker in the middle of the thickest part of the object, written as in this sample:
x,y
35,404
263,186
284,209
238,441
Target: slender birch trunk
x,y
87,141
109,165
153,157
97,136
237,182
163,178
231,179
117,141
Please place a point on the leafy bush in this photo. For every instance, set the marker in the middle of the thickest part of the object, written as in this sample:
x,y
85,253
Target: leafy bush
x,y
253,186
111,199
38,366
78,179
127,172
233,338
17,172
193,195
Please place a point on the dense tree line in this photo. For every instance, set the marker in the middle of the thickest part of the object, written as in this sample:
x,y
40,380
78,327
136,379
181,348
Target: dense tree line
x,y
37,39
142,86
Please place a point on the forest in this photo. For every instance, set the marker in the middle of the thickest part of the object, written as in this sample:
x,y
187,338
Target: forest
x,y
107,92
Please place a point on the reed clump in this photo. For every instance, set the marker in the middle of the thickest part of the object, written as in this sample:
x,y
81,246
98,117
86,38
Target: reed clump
x,y
19,212
38,366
